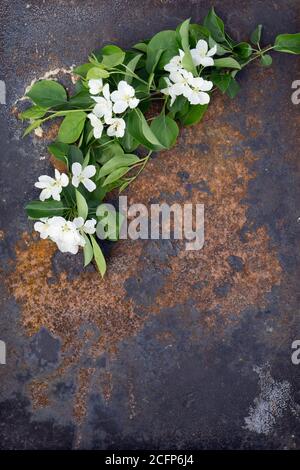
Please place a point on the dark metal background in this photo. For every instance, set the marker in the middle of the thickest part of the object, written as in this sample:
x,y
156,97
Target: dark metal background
x,y
173,349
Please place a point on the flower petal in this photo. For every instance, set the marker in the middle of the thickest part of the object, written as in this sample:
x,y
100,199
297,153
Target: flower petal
x,y
64,180
204,98
46,179
98,131
120,107
89,171
212,51
89,226
45,194
125,89
76,169
196,57
75,181
106,92
202,47
78,222
40,185
95,85
206,85
116,96
133,102
56,194
89,184
206,61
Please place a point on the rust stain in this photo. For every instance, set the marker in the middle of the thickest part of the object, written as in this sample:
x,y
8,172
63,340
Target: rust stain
x,y
209,152
84,378
38,391
50,133
106,385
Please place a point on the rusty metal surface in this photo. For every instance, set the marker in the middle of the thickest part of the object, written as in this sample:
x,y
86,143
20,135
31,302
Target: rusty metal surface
x,y
174,349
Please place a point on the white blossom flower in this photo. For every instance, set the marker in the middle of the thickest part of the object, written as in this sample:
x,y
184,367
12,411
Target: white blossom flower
x,y
83,175
97,125
103,108
52,187
197,88
116,127
124,97
201,55
175,63
87,226
64,233
95,86
181,80
66,236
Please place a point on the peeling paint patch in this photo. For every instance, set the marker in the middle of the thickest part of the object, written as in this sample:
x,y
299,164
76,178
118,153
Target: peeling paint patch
x,y
274,400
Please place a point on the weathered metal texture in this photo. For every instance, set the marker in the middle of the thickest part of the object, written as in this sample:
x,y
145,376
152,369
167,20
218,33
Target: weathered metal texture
x,y
174,348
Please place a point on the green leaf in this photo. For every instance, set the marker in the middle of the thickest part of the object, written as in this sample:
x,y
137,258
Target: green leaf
x,y
82,206
221,80
83,69
97,72
88,252
40,209
197,32
58,149
289,43
98,255
194,115
266,60
138,127
71,127
132,66
141,46
128,142
188,63
243,50
215,25
256,35
164,41
165,129
187,60
233,88
112,55
184,34
47,93
81,100
153,64
221,50
118,162
227,62
74,155
109,151
115,175
180,105
35,112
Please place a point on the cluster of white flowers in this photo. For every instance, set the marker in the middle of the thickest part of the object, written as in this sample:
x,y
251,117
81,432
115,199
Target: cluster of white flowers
x,y
52,187
68,235
109,105
182,82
